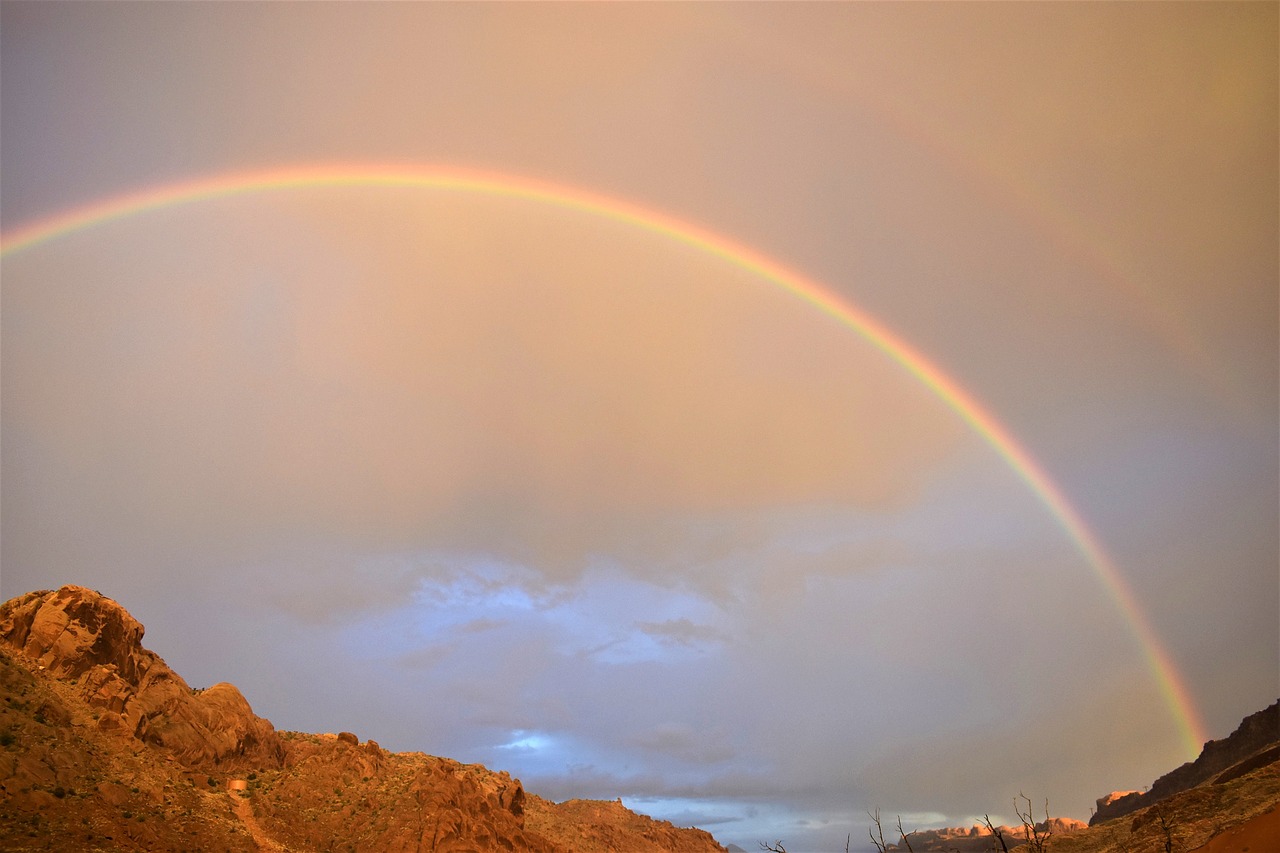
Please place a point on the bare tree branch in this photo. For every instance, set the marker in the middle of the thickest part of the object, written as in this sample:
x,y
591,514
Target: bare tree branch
x,y
879,831
999,836
903,836
1036,836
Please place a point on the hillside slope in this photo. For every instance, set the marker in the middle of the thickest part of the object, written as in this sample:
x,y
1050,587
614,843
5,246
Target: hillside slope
x,y
104,748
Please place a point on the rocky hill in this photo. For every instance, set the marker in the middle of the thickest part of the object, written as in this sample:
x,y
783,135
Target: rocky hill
x,y
1256,740
1226,801
104,747
1232,815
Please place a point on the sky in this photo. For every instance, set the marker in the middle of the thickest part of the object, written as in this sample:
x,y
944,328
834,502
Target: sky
x,y
542,485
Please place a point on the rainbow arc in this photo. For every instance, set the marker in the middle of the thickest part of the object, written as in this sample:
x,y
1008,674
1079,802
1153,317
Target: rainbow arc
x,y
1171,685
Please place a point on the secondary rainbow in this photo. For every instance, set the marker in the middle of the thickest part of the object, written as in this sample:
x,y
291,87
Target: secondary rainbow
x,y
1171,686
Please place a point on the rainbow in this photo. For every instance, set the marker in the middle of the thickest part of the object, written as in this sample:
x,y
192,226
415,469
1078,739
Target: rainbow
x,y
1171,685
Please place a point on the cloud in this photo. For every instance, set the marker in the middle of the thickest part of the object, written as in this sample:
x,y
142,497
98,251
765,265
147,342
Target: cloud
x,y
426,658
591,782
476,626
681,632
700,819
537,403
681,741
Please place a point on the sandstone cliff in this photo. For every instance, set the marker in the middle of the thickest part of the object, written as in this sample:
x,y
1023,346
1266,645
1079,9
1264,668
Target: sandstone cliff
x,y
104,747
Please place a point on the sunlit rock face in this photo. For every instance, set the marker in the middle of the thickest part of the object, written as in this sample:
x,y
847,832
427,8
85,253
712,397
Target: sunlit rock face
x,y
1114,796
73,630
80,635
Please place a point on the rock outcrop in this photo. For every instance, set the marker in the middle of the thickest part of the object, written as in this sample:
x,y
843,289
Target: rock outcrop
x,y
67,785
1114,796
81,636
1254,743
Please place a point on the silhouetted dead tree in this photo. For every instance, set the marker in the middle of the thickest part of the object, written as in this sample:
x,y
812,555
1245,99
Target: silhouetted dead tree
x,y
1168,832
1036,837
903,836
999,836
879,831
877,836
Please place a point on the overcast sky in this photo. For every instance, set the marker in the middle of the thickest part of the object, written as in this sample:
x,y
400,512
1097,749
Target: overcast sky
x,y
517,484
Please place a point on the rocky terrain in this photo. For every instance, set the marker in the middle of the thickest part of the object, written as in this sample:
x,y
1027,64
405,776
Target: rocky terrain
x,y
104,747
1226,801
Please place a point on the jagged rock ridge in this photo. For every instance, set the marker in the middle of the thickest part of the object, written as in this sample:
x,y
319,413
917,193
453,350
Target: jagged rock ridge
x,y
104,747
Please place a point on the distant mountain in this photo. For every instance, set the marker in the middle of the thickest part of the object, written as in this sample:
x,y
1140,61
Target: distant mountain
x,y
104,747
980,839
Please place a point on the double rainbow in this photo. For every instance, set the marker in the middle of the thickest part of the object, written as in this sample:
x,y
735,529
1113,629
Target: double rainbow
x,y
1171,685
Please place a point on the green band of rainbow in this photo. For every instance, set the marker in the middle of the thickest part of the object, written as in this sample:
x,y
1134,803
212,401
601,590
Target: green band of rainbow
x,y
1172,687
